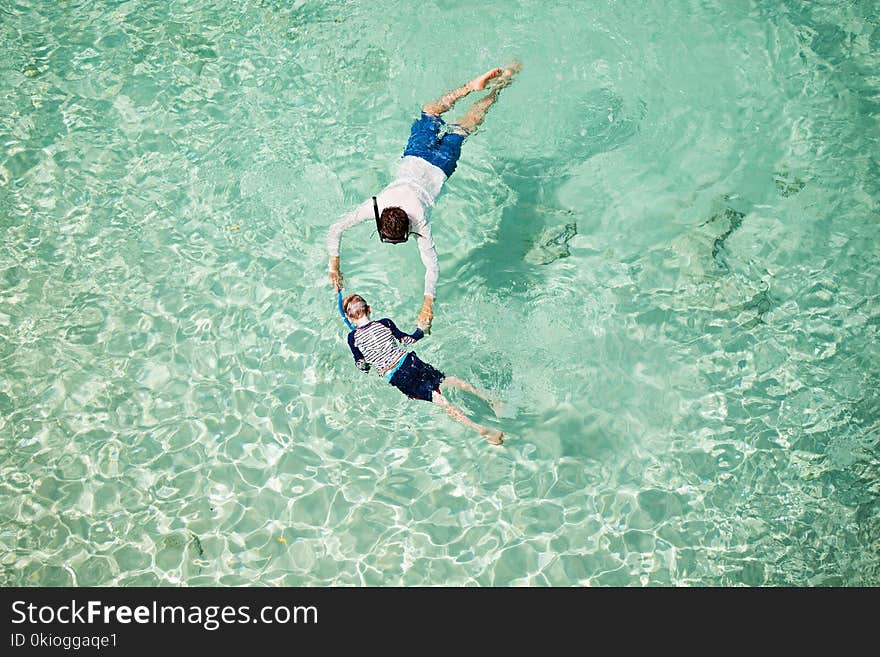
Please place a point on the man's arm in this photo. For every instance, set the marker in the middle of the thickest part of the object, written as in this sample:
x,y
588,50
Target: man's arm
x,y
334,239
428,253
426,314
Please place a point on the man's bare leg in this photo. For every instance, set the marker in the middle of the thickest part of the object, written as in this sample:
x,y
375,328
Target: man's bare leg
x,y
475,115
447,100
492,435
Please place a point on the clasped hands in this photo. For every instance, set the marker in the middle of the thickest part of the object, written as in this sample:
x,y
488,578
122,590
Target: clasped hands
x,y
426,314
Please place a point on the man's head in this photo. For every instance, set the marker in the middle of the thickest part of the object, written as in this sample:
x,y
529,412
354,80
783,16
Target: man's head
x,y
393,225
355,307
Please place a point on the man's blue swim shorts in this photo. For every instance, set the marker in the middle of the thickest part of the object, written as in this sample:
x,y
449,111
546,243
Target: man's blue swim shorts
x,y
426,142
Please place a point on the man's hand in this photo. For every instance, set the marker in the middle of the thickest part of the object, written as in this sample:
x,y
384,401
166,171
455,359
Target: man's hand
x,y
336,279
426,315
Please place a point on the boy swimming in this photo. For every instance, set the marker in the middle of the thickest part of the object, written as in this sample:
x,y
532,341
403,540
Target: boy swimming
x,y
380,345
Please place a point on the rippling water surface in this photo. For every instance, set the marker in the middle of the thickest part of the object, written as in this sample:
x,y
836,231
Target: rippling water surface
x,y
660,249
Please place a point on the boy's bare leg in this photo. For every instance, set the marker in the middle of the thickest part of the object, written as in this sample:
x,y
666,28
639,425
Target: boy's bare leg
x,y
454,382
475,115
492,435
447,100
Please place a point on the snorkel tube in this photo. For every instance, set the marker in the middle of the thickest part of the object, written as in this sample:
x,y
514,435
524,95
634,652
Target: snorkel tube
x,y
376,214
342,312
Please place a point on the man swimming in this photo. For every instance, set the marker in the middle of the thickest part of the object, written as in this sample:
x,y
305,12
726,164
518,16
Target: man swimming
x,y
430,157
380,345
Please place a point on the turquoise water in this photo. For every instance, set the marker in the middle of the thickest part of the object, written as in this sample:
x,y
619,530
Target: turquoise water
x,y
660,249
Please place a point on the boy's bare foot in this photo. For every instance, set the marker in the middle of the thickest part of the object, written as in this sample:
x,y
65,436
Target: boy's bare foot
x,y
493,436
479,82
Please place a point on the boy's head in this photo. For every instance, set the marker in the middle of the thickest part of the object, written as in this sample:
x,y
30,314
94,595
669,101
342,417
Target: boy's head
x,y
355,307
393,225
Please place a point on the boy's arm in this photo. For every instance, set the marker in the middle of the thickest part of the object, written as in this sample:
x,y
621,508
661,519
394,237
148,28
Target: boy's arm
x,y
334,239
359,361
405,338
417,335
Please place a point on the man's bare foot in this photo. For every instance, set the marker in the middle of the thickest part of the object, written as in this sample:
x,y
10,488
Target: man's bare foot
x,y
514,67
507,74
479,82
493,436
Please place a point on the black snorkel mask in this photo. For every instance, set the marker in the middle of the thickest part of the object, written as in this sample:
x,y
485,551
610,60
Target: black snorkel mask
x,y
389,240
